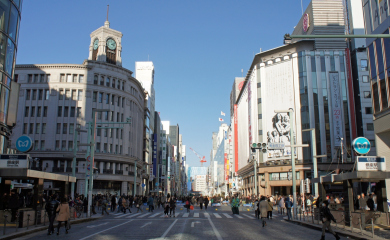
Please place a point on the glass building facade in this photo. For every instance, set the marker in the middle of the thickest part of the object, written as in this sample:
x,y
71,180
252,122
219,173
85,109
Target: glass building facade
x,y
10,12
315,90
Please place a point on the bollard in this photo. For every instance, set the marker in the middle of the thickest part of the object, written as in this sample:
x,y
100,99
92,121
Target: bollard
x,y
372,227
5,223
28,219
360,224
350,220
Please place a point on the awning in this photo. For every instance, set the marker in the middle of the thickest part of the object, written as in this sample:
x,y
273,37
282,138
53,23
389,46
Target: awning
x,y
357,176
24,173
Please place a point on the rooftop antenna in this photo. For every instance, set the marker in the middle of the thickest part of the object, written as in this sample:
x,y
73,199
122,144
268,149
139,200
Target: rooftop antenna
x,y
108,6
242,72
302,7
107,23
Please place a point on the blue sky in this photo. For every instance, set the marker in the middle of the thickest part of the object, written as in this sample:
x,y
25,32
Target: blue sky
x,y
197,47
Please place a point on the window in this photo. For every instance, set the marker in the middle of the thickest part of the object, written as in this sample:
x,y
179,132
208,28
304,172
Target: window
x,y
105,132
105,148
107,81
368,110
42,79
363,65
75,78
26,111
112,99
29,78
100,97
105,115
61,94
94,97
40,94
367,94
370,127
31,130
383,93
65,128
81,78
57,145
123,86
70,145
34,94
28,93
121,133
102,80
59,114
68,78
36,145
42,145
32,111
73,95
62,78
80,95
47,94
113,83
37,128
122,120
63,147
78,112
107,98
35,78
116,149
119,101
119,85
66,111
365,78
98,147
110,132
117,133
45,111
117,116
58,130
71,128
72,111
48,77
98,132
123,102
25,128
95,79
112,115
120,149
39,111
110,150
99,115
43,128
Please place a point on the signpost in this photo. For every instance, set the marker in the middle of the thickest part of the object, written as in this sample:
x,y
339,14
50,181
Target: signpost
x,y
14,161
24,144
361,145
371,163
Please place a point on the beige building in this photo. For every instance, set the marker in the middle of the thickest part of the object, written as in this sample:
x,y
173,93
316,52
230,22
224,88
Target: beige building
x,y
55,99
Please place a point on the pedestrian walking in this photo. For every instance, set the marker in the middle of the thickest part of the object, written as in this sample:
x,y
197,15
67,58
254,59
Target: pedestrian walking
x,y
201,200
13,204
150,203
235,204
104,206
113,203
51,209
326,217
63,215
270,208
263,208
172,206
288,205
206,202
139,204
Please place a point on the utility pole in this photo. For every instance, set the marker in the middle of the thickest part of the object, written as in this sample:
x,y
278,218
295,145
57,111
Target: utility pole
x,y
75,148
135,178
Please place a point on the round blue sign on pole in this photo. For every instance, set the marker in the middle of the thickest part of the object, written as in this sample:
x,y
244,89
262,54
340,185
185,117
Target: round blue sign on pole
x,y
24,144
361,145
156,184
143,185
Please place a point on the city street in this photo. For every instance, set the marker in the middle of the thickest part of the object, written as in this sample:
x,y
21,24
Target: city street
x,y
199,224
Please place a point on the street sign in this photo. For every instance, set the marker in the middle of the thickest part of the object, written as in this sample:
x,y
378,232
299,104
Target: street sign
x,y
14,161
143,185
361,145
279,146
371,163
24,144
156,184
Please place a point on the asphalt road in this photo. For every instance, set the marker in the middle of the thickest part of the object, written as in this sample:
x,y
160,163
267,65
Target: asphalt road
x,y
215,223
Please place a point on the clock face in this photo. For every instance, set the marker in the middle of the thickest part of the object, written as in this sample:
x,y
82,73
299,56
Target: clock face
x,y
95,44
111,44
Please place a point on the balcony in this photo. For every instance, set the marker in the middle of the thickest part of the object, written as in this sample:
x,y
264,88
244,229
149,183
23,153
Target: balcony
x,y
56,169
68,169
119,172
131,173
107,171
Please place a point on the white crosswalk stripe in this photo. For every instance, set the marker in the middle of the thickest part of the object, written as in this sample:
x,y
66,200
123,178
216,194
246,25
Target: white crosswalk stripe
x,y
237,216
196,214
227,215
206,214
186,215
123,215
154,215
144,215
217,215
248,216
133,215
118,214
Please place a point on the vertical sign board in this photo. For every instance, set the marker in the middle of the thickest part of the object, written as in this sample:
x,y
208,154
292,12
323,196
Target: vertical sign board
x,y
226,167
235,139
250,109
336,108
371,163
350,93
154,157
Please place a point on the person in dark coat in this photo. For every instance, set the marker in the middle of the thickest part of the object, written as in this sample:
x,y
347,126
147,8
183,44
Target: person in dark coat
x,y
370,203
13,204
201,200
206,202
326,217
51,208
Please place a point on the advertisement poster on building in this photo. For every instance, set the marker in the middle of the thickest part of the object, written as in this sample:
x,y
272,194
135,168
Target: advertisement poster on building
x,y
279,95
334,85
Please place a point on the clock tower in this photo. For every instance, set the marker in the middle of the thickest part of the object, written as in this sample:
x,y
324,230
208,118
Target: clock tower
x,y
106,45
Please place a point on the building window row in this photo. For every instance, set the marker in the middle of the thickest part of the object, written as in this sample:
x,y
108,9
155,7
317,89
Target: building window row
x,y
109,81
37,94
108,98
110,133
34,128
39,145
70,94
62,128
35,111
110,116
38,78
72,78
68,111
65,145
108,148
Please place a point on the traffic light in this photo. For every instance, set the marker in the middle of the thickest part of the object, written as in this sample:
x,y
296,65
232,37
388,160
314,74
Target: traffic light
x,y
261,146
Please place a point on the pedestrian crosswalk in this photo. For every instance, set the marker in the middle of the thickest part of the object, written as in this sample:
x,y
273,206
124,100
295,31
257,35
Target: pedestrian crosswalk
x,y
184,215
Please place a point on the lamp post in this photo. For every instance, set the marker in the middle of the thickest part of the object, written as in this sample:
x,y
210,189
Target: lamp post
x,y
135,178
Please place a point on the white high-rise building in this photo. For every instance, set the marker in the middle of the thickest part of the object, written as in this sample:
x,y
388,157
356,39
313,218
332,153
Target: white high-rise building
x,y
199,184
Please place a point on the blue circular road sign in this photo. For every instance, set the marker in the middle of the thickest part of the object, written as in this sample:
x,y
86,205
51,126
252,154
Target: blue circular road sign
x,y
24,144
361,145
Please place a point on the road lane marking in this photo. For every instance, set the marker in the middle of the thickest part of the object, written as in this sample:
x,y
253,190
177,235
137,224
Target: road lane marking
x,y
248,216
135,214
237,216
106,229
206,214
193,223
167,231
93,226
118,214
146,224
215,229
186,214
154,215
123,215
217,215
196,214
144,215
227,215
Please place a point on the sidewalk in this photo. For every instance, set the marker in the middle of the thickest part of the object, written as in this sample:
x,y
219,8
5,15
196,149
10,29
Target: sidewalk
x,y
13,232
380,232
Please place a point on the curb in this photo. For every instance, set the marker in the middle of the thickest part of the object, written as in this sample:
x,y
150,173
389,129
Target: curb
x,y
38,229
343,234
